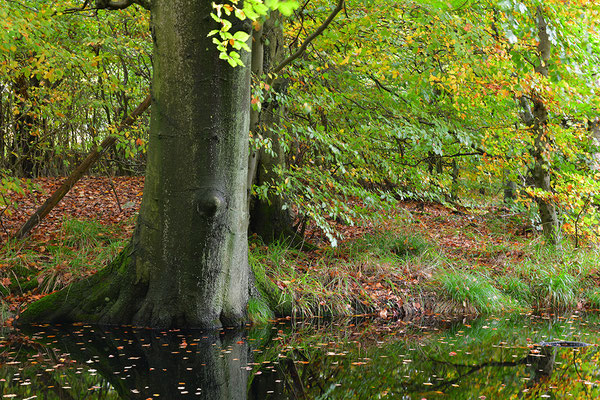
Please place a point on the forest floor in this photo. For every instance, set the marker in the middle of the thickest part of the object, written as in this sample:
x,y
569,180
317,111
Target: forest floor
x,y
421,258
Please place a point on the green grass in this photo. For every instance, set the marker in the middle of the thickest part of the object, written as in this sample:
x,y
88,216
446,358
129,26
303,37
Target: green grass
x,y
259,311
592,298
84,233
556,290
330,282
516,288
475,290
313,287
388,243
78,249
551,278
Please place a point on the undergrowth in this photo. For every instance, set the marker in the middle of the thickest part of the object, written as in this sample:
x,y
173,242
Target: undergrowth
x,y
77,250
346,280
484,267
547,279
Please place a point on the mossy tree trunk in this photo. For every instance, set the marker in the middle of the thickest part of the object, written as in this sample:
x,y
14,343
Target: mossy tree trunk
x,y
535,116
187,264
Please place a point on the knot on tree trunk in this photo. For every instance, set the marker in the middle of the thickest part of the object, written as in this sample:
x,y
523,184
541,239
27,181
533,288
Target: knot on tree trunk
x,y
211,204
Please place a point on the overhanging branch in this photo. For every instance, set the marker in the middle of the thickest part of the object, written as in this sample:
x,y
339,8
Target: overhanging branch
x,y
121,4
109,5
309,39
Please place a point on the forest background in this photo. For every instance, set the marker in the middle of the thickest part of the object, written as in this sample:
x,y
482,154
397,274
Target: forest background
x,y
486,108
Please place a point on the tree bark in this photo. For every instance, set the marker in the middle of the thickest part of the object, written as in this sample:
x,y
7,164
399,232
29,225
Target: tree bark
x,y
187,264
268,217
537,120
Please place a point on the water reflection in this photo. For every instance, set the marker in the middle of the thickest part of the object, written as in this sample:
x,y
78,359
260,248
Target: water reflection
x,y
487,358
104,363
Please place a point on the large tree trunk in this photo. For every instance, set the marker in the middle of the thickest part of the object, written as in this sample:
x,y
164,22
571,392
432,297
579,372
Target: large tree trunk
x,y
187,263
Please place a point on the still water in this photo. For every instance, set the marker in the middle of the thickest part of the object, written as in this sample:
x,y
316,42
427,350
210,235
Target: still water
x,y
487,358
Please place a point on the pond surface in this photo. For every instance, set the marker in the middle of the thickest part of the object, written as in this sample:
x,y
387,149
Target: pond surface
x,y
488,358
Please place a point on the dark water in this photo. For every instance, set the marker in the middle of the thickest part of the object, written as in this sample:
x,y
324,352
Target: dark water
x,y
487,358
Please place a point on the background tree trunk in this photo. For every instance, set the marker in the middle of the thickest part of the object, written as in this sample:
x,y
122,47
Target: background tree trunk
x,y
268,217
594,130
537,121
187,264
25,142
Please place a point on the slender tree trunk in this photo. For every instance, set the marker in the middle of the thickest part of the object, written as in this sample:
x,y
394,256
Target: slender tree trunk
x,y
455,183
187,264
268,217
25,122
3,129
594,129
537,120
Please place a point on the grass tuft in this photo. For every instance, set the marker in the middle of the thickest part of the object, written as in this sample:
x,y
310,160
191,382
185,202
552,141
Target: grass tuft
x,y
79,250
556,290
83,233
386,243
592,297
514,287
259,311
474,290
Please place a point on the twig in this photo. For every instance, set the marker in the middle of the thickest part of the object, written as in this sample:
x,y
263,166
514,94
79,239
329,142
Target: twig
x,y
23,5
112,186
587,202
2,213
309,39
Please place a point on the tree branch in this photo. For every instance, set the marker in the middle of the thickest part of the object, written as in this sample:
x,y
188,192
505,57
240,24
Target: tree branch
x,y
109,5
121,4
309,39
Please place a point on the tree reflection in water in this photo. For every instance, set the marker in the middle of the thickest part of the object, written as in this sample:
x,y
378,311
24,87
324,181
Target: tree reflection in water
x,y
140,363
340,360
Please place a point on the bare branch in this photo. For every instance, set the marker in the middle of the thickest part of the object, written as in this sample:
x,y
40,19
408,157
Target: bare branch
x,y
109,5
23,5
121,4
309,39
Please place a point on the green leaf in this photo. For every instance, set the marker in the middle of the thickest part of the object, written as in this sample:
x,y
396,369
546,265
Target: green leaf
x,y
241,36
287,7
